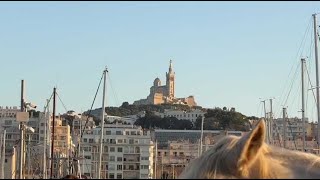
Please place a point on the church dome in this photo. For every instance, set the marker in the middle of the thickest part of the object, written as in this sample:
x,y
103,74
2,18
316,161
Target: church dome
x,y
157,82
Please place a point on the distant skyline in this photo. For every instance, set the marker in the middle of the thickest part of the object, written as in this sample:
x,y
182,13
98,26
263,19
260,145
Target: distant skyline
x,y
224,53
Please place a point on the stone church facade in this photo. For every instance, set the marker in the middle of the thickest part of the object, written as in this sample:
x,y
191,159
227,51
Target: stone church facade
x,y
165,94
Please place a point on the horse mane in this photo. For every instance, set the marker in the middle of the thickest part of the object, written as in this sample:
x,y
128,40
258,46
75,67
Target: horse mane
x,y
250,157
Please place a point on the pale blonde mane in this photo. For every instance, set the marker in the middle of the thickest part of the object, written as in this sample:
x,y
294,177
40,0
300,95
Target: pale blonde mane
x,y
250,157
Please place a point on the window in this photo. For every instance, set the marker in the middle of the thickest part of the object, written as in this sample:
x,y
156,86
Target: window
x,y
119,159
144,158
90,140
111,158
8,136
175,153
5,160
127,133
119,149
130,141
7,122
112,141
119,167
87,157
119,176
41,131
118,133
107,167
108,132
133,133
85,140
144,167
137,149
181,153
120,141
41,138
105,148
111,176
112,149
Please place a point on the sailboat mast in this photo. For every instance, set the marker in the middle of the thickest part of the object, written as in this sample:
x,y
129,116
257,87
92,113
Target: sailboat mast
x,y
271,123
46,115
266,120
317,73
303,61
53,124
102,122
284,128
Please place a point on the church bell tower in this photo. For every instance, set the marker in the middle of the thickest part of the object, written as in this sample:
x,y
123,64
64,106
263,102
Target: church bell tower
x,y
170,81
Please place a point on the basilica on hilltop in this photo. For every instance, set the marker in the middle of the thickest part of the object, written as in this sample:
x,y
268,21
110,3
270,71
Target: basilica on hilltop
x,y
165,94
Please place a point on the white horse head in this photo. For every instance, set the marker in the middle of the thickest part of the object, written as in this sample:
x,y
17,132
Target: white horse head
x,y
250,157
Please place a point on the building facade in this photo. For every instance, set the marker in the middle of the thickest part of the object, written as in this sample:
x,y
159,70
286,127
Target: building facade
x,y
187,115
128,152
8,111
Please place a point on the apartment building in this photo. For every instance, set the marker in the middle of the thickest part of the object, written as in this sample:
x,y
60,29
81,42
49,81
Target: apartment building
x,y
294,134
128,152
294,128
11,126
8,111
62,135
172,159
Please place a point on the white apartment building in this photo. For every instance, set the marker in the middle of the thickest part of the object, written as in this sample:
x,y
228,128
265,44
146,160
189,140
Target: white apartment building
x,y
294,128
127,152
187,115
11,126
8,111
131,119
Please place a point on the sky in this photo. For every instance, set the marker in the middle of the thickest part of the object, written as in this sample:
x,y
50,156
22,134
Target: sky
x,y
224,53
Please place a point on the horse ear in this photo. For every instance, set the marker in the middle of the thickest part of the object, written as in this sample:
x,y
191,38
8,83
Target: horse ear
x,y
250,145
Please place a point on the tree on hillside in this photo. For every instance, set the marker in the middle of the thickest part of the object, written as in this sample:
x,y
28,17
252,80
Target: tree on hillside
x,y
125,104
217,118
